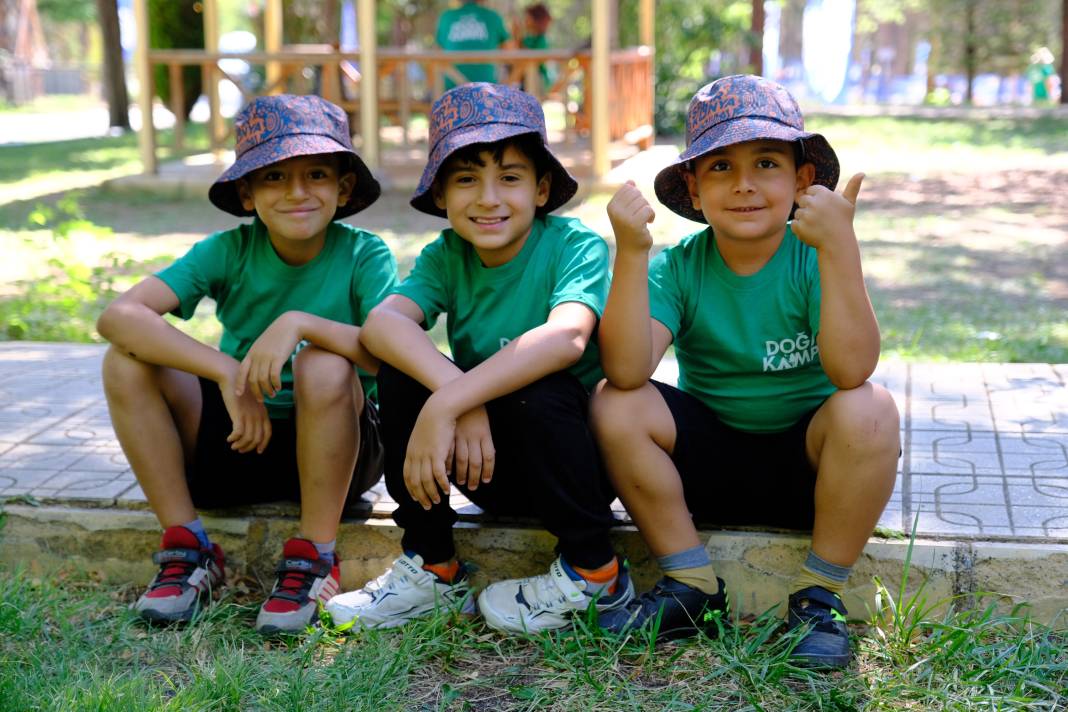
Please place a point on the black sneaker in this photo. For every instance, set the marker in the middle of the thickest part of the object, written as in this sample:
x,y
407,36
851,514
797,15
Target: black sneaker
x,y
686,611
826,644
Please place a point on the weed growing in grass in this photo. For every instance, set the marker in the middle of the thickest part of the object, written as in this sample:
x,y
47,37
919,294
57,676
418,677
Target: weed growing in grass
x,y
67,643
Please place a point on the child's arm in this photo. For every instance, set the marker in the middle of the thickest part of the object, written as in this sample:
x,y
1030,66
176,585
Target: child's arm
x,y
261,369
453,415
134,324
849,332
632,343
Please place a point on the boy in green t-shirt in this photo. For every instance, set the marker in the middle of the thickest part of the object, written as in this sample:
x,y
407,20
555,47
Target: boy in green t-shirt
x,y
507,418
472,27
774,421
279,412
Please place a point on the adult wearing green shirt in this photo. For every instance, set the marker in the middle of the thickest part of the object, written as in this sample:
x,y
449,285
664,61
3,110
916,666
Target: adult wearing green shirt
x,y
472,27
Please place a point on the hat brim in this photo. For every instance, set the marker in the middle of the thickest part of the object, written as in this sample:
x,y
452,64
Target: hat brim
x,y
670,183
223,193
561,189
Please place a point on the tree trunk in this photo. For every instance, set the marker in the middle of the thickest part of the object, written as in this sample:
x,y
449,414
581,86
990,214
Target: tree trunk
x,y
756,49
1064,51
969,49
114,75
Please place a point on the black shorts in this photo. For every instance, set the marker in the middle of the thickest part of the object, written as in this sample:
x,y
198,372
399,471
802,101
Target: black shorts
x,y
222,477
735,478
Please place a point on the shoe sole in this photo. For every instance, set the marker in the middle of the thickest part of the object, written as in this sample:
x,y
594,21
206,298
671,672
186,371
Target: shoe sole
x,y
821,662
393,621
159,618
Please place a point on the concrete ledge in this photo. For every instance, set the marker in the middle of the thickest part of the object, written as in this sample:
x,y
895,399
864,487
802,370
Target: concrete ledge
x,y
758,566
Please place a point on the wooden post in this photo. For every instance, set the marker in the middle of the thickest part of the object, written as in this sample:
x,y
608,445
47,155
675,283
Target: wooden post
x,y
272,42
647,32
599,88
216,127
646,23
365,23
146,137
174,71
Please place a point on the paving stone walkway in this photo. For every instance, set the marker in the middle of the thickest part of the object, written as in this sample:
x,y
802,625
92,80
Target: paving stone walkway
x,y
985,446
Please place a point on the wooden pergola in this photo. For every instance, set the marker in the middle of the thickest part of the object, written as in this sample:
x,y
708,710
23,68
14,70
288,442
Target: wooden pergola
x,y
597,62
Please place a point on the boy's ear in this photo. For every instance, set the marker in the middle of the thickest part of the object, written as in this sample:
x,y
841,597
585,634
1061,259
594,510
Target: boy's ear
x,y
691,185
345,185
438,194
244,194
806,176
541,197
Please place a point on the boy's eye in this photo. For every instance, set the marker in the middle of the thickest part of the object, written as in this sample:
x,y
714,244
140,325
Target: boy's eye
x,y
719,166
463,179
766,163
272,175
318,173
509,178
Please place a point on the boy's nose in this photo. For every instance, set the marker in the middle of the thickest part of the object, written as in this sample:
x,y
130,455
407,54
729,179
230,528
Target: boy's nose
x,y
296,186
743,182
488,194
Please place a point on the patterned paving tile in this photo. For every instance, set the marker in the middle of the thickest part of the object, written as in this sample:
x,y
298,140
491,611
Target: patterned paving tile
x,y
986,445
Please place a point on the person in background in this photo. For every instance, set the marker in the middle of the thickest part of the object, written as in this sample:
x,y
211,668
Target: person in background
x,y
472,26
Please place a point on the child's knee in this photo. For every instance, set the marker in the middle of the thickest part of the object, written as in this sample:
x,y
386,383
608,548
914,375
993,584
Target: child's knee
x,y
867,413
321,377
612,412
121,372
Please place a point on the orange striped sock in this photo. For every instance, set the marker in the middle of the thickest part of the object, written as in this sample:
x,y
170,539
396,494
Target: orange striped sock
x,y
446,571
603,578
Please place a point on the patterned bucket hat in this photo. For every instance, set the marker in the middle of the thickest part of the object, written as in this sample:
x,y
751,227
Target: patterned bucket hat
x,y
733,110
481,112
273,128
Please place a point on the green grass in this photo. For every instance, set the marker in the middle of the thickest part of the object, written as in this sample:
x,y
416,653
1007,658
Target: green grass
x,y
68,644
105,156
964,253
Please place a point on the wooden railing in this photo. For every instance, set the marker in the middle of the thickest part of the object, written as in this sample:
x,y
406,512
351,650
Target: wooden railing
x,y
338,80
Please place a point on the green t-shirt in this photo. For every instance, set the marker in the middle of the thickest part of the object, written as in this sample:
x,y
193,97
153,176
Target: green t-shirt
x,y
539,42
561,261
471,27
252,287
1038,74
746,346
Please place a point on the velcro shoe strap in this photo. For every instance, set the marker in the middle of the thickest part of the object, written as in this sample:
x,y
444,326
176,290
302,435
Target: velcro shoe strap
x,y
564,582
826,598
303,566
299,597
170,556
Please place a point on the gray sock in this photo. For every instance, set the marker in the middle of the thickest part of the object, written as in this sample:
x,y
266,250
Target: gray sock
x,y
197,527
326,551
686,559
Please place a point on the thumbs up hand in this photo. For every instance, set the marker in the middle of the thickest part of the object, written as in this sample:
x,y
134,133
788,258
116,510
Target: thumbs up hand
x,y
823,217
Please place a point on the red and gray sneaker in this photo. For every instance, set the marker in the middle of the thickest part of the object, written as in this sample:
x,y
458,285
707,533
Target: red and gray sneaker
x,y
187,576
304,581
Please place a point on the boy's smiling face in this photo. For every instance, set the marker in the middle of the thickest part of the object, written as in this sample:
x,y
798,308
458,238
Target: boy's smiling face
x,y
492,205
747,190
296,199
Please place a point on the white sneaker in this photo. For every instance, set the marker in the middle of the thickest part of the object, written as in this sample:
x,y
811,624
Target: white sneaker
x,y
405,591
547,601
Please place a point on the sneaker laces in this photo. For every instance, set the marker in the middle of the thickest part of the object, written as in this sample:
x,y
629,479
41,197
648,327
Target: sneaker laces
x,y
174,573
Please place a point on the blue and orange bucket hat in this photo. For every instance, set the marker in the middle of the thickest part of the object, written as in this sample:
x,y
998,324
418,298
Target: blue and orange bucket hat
x,y
734,110
273,128
481,112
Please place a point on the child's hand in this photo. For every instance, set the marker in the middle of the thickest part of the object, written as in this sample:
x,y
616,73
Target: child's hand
x,y
261,369
823,218
630,214
473,448
251,425
430,449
